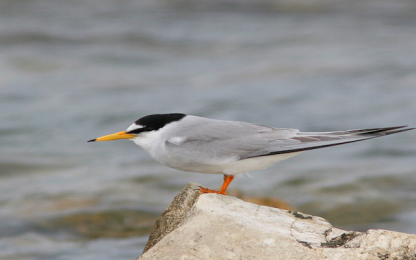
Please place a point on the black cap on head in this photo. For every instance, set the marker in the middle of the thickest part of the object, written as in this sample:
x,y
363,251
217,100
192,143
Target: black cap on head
x,y
156,121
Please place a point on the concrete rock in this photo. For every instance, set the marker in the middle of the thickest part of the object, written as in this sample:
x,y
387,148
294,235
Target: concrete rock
x,y
213,226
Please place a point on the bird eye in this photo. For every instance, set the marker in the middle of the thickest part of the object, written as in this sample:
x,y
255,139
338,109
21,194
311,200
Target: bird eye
x,y
142,129
149,128
135,131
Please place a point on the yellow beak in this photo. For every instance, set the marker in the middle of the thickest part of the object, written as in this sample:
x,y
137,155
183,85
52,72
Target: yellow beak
x,y
115,136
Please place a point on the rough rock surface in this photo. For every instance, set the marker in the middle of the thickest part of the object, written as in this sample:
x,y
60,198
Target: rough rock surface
x,y
213,226
174,215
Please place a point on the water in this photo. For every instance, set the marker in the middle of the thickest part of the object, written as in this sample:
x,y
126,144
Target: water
x,y
73,71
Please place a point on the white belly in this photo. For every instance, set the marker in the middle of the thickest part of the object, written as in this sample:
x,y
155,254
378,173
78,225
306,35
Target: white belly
x,y
256,163
234,167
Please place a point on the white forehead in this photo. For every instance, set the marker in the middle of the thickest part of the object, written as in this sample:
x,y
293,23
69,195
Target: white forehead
x,y
133,127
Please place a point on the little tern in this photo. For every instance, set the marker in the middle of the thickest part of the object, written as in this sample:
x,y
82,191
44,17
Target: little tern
x,y
197,144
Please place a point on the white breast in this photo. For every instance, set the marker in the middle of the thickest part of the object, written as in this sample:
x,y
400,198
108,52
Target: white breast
x,y
254,164
154,142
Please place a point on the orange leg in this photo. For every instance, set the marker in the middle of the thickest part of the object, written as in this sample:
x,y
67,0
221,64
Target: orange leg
x,y
227,180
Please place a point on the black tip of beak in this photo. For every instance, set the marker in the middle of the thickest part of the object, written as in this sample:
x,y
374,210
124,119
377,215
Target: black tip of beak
x,y
92,140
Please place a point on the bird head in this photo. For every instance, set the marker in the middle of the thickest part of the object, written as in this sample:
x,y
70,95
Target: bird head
x,y
145,124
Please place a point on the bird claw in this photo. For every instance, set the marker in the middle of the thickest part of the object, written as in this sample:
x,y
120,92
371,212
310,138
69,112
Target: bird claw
x,y
203,190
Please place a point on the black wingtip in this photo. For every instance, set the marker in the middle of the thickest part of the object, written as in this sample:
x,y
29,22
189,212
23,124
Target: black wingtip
x,y
92,140
400,130
385,130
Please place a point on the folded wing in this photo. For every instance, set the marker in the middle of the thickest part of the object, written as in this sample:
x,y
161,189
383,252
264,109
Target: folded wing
x,y
226,140
315,140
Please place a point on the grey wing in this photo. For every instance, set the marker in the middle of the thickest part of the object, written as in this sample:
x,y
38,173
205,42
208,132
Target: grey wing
x,y
315,140
239,140
228,139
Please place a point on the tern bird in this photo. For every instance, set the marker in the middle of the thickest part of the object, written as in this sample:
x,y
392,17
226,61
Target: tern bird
x,y
198,144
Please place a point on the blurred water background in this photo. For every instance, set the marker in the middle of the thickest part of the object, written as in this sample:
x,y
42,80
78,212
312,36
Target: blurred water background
x,y
71,71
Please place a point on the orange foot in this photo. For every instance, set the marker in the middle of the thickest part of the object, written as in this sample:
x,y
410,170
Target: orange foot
x,y
203,190
227,180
